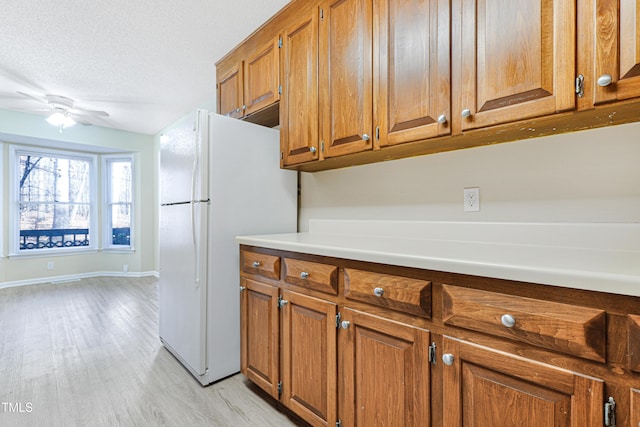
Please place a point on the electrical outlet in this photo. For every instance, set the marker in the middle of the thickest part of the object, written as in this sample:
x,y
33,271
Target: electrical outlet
x,y
50,265
472,199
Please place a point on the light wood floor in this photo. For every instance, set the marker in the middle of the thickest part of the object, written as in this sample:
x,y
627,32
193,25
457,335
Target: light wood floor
x,y
87,353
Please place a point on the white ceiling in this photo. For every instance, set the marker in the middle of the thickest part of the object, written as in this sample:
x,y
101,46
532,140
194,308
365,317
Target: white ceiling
x,y
146,63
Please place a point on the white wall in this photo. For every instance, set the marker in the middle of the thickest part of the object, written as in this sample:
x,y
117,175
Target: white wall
x,y
587,176
25,127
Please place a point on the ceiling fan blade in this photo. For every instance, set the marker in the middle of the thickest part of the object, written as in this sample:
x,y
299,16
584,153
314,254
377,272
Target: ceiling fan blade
x,y
44,101
96,113
31,110
81,118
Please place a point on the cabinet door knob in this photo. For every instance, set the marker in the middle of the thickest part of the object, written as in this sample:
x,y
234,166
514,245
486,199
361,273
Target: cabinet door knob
x,y
442,119
242,288
256,264
304,275
466,113
244,107
365,137
238,109
312,149
448,359
378,292
604,80
508,320
345,324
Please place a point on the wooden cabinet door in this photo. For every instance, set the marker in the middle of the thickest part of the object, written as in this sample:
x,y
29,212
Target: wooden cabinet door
x,y
617,48
412,77
487,388
385,372
346,85
309,358
299,105
230,92
513,59
260,335
262,77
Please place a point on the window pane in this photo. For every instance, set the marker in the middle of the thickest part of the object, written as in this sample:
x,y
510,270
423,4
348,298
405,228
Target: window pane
x,y
120,181
121,224
43,216
53,179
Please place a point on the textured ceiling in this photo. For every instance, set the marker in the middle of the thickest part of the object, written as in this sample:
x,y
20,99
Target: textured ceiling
x,y
146,63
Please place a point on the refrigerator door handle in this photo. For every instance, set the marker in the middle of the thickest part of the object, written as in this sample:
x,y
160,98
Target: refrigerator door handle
x,y
196,248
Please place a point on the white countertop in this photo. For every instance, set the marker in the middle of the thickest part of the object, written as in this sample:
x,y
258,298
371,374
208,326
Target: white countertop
x,y
600,257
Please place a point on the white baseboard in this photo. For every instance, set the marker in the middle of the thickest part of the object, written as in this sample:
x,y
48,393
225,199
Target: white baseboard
x,y
75,277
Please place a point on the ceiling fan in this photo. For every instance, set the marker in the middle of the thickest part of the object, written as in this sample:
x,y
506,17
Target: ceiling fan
x,y
63,113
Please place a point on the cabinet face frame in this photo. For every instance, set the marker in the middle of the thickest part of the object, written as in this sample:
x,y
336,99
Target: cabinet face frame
x,y
346,90
411,88
309,357
299,101
260,329
545,386
540,63
262,77
230,96
396,345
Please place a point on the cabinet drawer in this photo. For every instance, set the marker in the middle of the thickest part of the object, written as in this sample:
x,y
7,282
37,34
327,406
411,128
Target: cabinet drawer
x,y
262,264
312,275
411,296
567,328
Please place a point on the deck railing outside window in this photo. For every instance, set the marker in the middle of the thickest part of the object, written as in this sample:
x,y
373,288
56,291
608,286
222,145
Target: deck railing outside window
x,y
67,238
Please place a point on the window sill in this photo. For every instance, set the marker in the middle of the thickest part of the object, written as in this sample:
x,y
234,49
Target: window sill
x,y
43,253
119,250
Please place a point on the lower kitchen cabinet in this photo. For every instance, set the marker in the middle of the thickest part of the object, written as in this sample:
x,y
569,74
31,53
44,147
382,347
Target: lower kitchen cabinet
x,y
356,344
309,358
260,335
487,388
384,371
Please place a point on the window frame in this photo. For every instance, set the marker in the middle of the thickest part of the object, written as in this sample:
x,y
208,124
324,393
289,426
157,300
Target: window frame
x,y
3,207
107,244
15,151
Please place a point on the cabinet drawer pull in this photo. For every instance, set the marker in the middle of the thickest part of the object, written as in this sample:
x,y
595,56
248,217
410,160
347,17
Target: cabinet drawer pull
x,y
508,320
304,275
256,264
448,359
378,292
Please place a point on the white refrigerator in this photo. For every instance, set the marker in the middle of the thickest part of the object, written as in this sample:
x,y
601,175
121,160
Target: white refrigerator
x,y
219,178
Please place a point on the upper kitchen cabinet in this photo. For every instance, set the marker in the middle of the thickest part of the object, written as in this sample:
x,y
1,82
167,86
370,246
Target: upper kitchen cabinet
x,y
250,85
230,89
299,105
609,50
346,90
261,77
512,60
412,78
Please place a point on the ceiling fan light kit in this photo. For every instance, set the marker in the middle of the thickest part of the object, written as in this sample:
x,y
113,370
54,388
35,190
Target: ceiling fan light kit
x,y
61,120
63,113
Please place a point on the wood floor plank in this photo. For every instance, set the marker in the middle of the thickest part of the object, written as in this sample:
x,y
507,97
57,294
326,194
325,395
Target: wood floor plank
x,y
87,353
